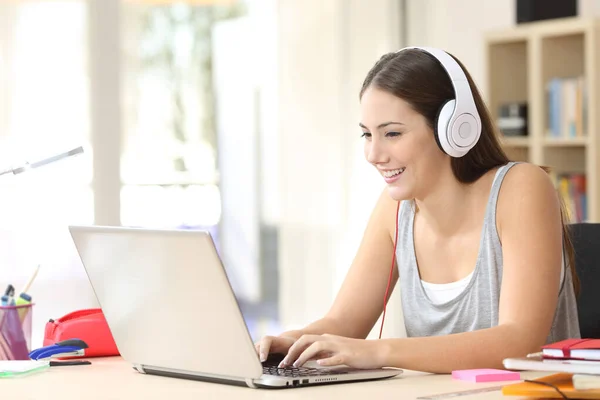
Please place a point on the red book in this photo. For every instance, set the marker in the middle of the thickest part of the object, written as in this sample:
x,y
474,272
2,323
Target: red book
x,y
574,349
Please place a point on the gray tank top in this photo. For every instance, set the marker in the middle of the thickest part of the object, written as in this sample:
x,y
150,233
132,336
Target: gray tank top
x,y
476,307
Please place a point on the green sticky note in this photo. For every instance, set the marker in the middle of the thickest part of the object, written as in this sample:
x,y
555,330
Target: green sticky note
x,y
15,368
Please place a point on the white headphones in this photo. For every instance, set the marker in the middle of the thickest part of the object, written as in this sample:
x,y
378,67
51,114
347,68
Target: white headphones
x,y
458,126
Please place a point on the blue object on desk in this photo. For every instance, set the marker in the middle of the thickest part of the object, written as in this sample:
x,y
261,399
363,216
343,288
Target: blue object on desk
x,y
66,348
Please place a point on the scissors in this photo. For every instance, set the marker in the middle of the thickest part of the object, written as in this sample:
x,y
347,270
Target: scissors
x,y
65,348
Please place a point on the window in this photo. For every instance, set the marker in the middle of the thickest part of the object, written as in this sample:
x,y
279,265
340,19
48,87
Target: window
x,y
169,161
191,143
43,112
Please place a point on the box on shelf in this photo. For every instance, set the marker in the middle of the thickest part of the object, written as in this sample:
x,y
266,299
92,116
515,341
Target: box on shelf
x,y
538,10
512,119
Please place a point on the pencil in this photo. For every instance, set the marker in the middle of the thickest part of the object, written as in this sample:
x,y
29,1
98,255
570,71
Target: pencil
x,y
28,285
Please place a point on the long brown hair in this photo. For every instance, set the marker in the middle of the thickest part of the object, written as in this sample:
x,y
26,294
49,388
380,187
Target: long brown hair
x,y
419,79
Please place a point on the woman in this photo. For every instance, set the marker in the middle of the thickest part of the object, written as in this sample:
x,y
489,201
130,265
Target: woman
x,y
480,242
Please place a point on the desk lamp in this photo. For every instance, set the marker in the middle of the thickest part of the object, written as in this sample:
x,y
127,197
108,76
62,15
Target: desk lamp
x,y
27,165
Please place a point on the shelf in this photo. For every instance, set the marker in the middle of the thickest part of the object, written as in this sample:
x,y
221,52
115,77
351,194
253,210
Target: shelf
x,y
507,63
566,142
552,67
563,56
564,26
516,141
507,37
545,29
566,159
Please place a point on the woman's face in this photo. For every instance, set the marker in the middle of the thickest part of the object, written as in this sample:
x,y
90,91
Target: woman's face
x,y
400,144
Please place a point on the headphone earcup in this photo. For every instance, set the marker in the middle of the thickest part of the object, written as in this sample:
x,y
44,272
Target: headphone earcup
x,y
441,126
462,136
465,134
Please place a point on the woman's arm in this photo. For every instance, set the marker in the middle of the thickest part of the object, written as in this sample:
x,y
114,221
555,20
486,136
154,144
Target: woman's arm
x,y
359,302
360,299
529,226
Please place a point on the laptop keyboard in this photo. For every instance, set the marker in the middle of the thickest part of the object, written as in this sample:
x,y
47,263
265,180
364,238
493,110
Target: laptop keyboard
x,y
270,367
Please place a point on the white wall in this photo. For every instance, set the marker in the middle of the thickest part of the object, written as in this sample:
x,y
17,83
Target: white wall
x,y
311,154
459,26
328,190
589,8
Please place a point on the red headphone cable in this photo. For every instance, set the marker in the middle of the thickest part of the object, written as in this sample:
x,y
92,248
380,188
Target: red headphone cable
x,y
387,289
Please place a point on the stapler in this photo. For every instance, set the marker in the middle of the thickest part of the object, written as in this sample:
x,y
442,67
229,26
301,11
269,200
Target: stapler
x,y
65,348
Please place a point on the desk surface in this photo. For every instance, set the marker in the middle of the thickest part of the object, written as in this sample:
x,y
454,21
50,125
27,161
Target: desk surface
x,y
113,378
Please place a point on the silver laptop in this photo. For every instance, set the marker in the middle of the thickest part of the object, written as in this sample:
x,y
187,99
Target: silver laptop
x,y
172,312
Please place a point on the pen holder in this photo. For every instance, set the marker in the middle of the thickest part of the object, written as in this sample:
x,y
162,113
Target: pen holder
x,y
15,332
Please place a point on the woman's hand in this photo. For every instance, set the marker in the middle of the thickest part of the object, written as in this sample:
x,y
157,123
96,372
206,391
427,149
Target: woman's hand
x,y
331,350
273,344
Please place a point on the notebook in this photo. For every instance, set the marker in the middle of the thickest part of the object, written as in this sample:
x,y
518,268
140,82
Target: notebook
x,y
552,365
580,349
13,368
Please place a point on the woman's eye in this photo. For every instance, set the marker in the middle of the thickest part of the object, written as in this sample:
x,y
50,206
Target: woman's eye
x,y
393,134
366,135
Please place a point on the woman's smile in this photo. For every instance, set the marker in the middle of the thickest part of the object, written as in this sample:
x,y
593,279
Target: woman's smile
x,y
391,175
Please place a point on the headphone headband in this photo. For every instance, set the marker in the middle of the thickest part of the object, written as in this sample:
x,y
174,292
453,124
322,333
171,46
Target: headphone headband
x,y
458,127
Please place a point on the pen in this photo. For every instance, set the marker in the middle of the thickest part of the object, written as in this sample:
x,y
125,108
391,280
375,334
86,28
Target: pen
x,y
68,363
10,290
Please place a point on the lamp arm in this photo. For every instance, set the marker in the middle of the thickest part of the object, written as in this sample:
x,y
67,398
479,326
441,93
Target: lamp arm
x,y
27,165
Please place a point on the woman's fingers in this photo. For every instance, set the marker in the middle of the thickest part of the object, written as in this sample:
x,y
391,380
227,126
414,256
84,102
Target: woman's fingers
x,y
273,344
264,347
322,349
299,347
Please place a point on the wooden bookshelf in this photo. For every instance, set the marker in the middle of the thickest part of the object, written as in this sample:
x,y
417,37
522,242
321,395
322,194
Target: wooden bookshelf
x,y
552,66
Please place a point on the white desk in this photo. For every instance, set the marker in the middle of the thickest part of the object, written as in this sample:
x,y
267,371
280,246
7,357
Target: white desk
x,y
113,378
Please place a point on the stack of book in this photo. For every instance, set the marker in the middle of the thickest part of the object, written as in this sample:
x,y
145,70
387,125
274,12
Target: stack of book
x,y
583,352
576,363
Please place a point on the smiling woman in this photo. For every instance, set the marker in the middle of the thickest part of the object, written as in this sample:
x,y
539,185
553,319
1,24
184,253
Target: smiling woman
x,y
475,235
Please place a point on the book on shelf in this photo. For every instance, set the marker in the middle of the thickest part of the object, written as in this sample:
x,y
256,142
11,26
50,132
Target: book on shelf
x,y
566,106
572,189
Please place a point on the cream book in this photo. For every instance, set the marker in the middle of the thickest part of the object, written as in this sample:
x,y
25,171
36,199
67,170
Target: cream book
x,y
584,381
